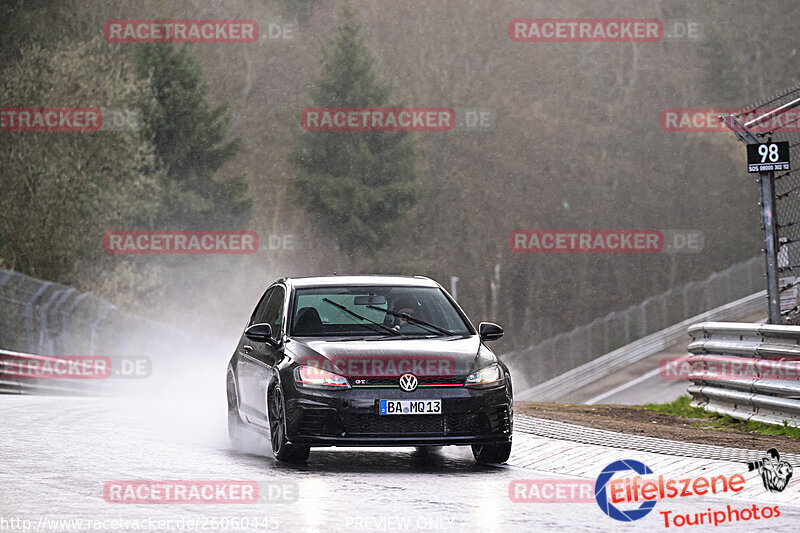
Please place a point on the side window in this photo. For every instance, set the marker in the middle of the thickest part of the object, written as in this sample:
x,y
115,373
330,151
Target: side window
x,y
260,312
273,312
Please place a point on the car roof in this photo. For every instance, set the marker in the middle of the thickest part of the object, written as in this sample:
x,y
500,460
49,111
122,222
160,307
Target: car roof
x,y
371,280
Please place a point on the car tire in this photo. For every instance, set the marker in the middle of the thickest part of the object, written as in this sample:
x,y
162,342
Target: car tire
x,y
281,448
491,453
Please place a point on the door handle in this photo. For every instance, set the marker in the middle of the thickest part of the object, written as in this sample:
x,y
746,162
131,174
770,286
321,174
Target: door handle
x,y
247,348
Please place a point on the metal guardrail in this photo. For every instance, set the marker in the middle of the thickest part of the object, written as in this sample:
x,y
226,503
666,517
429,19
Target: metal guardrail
x,y
11,381
42,317
754,394
568,351
572,380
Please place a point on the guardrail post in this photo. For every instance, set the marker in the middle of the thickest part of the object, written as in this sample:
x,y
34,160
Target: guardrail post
x,y
55,312
43,335
29,314
627,326
68,313
94,328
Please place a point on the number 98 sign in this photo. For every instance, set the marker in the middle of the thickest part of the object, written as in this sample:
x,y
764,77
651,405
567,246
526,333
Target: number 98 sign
x,y
768,157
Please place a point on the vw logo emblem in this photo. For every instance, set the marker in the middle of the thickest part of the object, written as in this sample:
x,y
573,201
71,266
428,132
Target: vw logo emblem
x,y
408,382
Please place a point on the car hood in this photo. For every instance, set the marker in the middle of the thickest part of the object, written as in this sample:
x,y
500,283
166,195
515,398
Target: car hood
x,y
431,358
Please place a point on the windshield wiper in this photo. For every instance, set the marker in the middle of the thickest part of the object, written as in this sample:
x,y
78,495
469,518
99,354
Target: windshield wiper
x,y
346,310
414,320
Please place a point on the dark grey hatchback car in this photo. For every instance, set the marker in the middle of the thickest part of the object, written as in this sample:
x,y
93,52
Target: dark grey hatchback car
x,y
367,361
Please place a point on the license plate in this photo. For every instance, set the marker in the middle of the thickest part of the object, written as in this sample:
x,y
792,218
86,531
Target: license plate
x,y
410,407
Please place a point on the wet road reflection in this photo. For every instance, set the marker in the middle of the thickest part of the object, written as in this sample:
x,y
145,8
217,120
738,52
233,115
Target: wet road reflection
x,y
58,453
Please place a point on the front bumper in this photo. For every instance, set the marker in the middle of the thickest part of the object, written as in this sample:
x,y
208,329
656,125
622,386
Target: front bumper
x,y
350,417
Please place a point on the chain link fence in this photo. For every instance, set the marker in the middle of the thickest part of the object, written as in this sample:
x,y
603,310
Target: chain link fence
x,y
569,350
45,318
771,120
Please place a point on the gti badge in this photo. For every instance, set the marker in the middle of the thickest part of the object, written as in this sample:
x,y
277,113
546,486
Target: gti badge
x,y
408,382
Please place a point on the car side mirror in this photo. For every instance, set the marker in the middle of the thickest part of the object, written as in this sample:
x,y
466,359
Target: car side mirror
x,y
489,331
259,333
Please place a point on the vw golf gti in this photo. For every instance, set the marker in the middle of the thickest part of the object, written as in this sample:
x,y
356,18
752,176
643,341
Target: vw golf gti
x,y
367,361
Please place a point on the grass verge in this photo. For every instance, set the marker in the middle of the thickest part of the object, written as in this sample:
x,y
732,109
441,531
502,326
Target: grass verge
x,y
682,408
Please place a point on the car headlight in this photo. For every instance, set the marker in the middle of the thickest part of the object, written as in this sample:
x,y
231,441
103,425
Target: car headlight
x,y
485,377
314,377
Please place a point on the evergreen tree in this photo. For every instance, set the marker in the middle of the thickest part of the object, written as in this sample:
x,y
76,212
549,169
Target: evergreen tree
x,y
22,21
357,186
60,192
188,135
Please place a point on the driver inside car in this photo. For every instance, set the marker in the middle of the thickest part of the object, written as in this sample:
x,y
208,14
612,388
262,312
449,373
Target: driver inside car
x,y
406,306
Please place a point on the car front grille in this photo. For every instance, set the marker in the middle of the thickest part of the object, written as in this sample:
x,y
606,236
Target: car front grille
x,y
312,422
319,422
400,425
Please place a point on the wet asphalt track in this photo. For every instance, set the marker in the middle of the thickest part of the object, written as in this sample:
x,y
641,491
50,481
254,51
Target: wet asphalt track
x,y
57,454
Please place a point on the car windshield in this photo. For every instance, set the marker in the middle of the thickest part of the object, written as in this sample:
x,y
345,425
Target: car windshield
x,y
385,311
